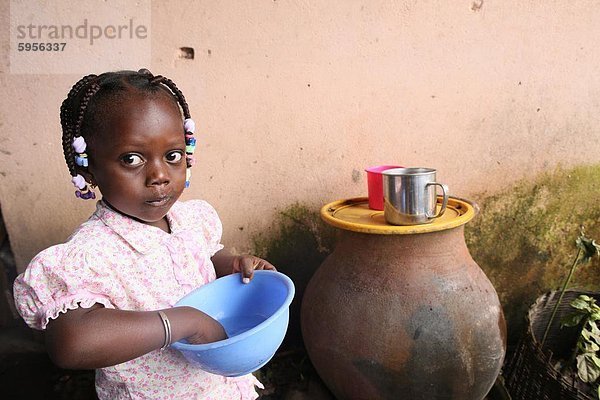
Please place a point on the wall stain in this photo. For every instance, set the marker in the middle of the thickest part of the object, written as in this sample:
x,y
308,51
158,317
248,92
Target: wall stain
x,y
524,238
477,5
297,243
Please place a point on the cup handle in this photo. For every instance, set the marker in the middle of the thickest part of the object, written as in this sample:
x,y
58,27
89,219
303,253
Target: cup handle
x,y
444,200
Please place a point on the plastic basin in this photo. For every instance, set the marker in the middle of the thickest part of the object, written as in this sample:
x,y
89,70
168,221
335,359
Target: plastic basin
x,y
254,315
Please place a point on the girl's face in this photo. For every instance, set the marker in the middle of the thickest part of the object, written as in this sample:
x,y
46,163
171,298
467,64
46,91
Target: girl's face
x,y
137,157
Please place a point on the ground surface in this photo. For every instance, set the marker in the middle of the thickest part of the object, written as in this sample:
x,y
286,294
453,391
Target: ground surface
x,y
26,373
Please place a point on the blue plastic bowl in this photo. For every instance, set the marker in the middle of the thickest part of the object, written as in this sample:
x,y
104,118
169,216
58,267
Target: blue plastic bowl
x,y
254,315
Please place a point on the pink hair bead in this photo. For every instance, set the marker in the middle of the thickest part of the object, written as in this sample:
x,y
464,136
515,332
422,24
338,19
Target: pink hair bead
x,y
189,125
79,144
78,181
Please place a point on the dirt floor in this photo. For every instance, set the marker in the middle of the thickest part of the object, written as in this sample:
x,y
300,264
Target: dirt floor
x,y
33,376
27,373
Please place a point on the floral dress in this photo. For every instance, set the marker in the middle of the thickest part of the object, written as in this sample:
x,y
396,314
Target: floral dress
x,y
123,264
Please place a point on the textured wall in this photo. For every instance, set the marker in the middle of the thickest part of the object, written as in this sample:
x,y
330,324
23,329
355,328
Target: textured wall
x,y
525,238
295,98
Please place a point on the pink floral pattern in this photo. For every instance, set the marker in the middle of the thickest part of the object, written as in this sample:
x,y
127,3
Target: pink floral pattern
x,y
120,263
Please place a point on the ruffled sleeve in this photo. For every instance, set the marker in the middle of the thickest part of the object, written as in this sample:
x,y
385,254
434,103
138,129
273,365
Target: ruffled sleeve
x,y
201,214
59,279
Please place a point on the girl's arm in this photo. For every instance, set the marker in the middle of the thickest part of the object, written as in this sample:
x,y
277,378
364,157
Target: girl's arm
x,y
96,337
225,264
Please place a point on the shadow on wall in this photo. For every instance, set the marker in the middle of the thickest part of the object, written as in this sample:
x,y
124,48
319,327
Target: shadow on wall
x,y
524,238
297,244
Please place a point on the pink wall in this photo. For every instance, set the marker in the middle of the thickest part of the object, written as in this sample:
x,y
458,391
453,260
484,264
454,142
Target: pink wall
x,y
295,98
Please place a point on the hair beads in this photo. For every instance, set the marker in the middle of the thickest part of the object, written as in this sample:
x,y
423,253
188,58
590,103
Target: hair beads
x,y
190,146
84,191
79,146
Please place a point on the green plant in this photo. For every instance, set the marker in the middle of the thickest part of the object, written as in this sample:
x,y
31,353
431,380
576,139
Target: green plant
x,y
586,249
587,350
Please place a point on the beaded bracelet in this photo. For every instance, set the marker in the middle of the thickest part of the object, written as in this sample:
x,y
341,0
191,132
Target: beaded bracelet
x,y
167,326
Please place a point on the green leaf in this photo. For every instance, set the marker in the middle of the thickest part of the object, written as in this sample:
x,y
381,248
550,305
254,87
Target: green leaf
x,y
572,320
595,338
588,247
581,304
587,369
591,347
596,360
594,327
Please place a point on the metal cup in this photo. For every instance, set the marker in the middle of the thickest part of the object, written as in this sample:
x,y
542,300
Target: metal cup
x,y
410,196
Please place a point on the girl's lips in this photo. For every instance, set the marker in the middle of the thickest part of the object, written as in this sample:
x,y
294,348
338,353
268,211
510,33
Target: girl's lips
x,y
159,202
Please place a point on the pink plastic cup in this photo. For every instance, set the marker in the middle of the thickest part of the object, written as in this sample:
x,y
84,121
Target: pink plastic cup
x,y
375,185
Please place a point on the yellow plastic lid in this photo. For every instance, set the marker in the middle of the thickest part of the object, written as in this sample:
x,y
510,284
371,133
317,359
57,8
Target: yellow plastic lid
x,y
355,215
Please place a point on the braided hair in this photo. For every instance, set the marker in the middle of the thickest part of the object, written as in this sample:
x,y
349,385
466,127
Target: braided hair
x,y
77,112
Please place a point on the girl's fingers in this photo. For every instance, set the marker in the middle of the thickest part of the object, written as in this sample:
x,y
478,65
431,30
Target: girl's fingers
x,y
268,266
248,264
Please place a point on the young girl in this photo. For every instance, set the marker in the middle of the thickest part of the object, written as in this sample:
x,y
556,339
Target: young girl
x,y
105,297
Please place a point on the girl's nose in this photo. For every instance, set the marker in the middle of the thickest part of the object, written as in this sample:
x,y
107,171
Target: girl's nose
x,y
156,174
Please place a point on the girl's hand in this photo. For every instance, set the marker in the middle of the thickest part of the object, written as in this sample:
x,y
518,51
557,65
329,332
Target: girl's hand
x,y
226,264
208,330
248,264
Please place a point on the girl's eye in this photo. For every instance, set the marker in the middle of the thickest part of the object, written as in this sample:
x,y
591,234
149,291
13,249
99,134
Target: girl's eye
x,y
132,159
174,157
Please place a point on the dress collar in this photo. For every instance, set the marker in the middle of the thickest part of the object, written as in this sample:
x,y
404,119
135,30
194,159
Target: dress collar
x,y
143,238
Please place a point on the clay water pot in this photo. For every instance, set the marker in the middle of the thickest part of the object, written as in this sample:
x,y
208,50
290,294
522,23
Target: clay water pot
x,y
402,312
